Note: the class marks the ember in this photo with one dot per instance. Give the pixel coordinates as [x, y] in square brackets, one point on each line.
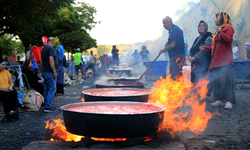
[109, 73]
[178, 94]
[118, 109]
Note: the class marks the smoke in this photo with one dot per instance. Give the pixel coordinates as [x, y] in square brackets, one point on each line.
[137, 68]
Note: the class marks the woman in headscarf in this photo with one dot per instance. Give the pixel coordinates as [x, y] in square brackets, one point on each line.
[60, 69]
[200, 60]
[34, 81]
[222, 64]
[7, 93]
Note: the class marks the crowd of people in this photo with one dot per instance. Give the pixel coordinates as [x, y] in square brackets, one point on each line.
[211, 57]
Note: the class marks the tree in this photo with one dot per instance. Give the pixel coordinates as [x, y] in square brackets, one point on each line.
[71, 26]
[79, 39]
[10, 46]
[30, 20]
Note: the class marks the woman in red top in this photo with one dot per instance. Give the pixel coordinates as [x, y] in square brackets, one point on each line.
[222, 63]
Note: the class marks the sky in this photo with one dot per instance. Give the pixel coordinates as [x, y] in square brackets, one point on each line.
[131, 21]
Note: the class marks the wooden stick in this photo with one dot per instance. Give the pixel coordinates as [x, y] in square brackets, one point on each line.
[147, 68]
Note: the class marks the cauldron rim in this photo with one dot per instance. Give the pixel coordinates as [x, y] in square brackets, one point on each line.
[163, 108]
[139, 83]
[150, 92]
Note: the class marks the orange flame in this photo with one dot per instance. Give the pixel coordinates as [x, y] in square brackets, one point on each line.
[59, 130]
[109, 73]
[83, 100]
[181, 93]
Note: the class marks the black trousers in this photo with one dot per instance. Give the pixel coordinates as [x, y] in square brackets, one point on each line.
[176, 64]
[39, 87]
[59, 88]
[9, 100]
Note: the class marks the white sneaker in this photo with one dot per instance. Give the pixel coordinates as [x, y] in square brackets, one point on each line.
[217, 103]
[228, 105]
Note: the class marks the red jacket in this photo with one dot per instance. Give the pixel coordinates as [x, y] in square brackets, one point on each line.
[223, 54]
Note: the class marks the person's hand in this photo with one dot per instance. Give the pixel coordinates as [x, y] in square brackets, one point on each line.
[10, 89]
[219, 29]
[202, 47]
[191, 59]
[55, 75]
[161, 51]
[40, 81]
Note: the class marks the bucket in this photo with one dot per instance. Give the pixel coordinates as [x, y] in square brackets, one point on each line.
[37, 54]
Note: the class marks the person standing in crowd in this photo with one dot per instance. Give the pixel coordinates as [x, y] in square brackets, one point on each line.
[60, 69]
[18, 60]
[235, 49]
[144, 54]
[92, 62]
[34, 81]
[49, 64]
[29, 54]
[7, 93]
[78, 63]
[174, 47]
[222, 64]
[104, 63]
[115, 56]
[136, 56]
[200, 60]
[247, 47]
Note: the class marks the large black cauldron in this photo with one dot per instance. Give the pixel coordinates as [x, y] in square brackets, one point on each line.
[111, 125]
[141, 95]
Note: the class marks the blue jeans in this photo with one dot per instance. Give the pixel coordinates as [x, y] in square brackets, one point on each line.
[49, 88]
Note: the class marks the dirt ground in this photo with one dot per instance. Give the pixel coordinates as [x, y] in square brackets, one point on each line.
[229, 131]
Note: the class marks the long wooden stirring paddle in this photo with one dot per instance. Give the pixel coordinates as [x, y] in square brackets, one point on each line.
[147, 68]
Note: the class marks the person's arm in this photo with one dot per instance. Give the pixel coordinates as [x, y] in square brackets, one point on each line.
[186, 44]
[52, 65]
[166, 44]
[173, 41]
[169, 47]
[226, 34]
[207, 42]
[10, 83]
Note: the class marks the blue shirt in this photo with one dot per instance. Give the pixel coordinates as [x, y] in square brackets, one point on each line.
[176, 35]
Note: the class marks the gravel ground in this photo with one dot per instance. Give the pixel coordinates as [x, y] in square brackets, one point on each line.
[229, 131]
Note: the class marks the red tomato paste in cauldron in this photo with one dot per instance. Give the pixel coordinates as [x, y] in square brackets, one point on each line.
[118, 109]
[117, 92]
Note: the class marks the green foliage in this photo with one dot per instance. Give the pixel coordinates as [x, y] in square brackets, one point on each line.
[30, 20]
[9, 46]
[79, 39]
[71, 25]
